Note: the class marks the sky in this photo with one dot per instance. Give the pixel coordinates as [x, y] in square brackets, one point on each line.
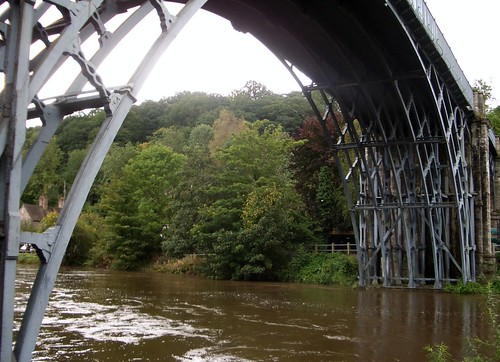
[210, 56]
[472, 29]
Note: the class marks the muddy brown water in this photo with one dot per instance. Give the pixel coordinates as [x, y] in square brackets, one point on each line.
[97, 315]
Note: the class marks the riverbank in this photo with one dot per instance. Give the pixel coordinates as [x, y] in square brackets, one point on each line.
[305, 268]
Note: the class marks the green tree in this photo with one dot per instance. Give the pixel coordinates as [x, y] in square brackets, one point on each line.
[82, 239]
[173, 137]
[77, 132]
[255, 216]
[46, 179]
[494, 117]
[189, 195]
[75, 160]
[192, 108]
[141, 122]
[254, 101]
[483, 87]
[116, 160]
[317, 178]
[137, 206]
[201, 136]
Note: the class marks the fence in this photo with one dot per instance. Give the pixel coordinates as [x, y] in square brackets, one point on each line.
[348, 248]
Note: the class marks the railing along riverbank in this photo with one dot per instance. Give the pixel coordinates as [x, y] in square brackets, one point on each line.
[347, 248]
[350, 248]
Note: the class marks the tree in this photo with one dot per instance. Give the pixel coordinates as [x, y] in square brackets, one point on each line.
[254, 101]
[252, 90]
[494, 117]
[46, 179]
[248, 227]
[224, 128]
[189, 109]
[77, 132]
[82, 239]
[116, 160]
[141, 122]
[189, 195]
[75, 160]
[173, 137]
[137, 206]
[483, 87]
[201, 136]
[317, 180]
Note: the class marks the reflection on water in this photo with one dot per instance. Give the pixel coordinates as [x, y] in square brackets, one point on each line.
[122, 316]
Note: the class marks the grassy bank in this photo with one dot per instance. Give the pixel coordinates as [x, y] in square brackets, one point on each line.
[304, 267]
[28, 258]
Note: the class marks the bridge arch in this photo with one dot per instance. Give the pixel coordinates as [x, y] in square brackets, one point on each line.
[402, 145]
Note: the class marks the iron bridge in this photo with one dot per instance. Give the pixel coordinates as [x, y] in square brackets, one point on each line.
[403, 141]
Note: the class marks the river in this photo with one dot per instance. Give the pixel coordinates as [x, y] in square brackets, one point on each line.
[100, 315]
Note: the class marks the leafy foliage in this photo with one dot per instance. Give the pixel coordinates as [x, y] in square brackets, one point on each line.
[188, 174]
[255, 216]
[189, 109]
[461, 288]
[494, 117]
[189, 195]
[78, 132]
[323, 268]
[45, 180]
[172, 137]
[438, 352]
[137, 205]
[224, 128]
[317, 179]
[83, 238]
[255, 102]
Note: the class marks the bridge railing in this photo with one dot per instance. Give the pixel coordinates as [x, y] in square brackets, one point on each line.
[423, 13]
[347, 248]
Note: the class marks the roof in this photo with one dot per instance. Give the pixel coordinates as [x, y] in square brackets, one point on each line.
[36, 213]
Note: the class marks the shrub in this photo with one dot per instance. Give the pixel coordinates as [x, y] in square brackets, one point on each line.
[190, 264]
[469, 288]
[314, 268]
[438, 353]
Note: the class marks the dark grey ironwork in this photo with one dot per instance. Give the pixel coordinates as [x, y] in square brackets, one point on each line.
[405, 167]
[399, 103]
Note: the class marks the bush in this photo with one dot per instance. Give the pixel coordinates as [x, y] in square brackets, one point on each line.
[438, 353]
[314, 268]
[469, 288]
[190, 264]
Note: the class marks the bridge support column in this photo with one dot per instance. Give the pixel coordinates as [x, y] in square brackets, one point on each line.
[483, 180]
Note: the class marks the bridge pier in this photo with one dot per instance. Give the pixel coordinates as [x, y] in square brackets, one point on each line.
[484, 164]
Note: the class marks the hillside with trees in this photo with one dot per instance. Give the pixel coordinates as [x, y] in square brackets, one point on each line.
[244, 180]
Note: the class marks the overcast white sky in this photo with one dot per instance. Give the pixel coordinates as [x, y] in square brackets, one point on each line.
[472, 29]
[210, 56]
